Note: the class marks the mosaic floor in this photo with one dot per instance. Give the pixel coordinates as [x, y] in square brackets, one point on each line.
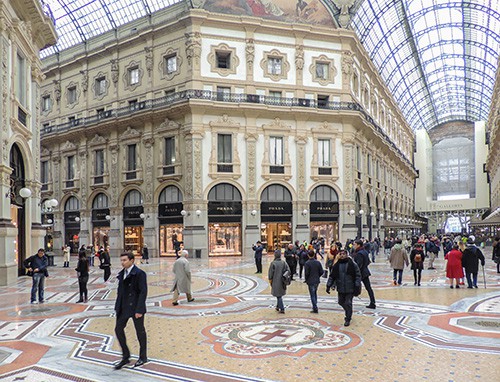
[231, 332]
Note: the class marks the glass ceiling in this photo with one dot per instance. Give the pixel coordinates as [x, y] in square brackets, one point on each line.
[438, 57]
[79, 20]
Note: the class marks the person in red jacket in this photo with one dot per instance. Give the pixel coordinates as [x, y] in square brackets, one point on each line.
[454, 268]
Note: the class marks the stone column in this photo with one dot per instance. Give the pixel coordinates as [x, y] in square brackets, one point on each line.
[116, 232]
[8, 232]
[251, 223]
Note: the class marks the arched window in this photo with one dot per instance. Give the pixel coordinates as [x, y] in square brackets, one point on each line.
[224, 192]
[276, 193]
[133, 198]
[72, 204]
[324, 194]
[100, 201]
[170, 194]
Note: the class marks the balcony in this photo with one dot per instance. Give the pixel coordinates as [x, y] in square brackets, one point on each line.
[213, 96]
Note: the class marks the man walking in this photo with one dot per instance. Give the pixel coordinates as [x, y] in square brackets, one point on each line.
[131, 303]
[362, 259]
[36, 266]
[346, 278]
[258, 248]
[291, 259]
[470, 261]
[182, 281]
[313, 272]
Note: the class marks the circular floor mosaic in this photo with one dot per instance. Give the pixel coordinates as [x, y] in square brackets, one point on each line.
[288, 336]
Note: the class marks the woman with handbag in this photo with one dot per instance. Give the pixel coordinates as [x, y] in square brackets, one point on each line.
[82, 270]
[105, 264]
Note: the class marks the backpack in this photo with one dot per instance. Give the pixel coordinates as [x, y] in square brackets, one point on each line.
[417, 258]
[287, 277]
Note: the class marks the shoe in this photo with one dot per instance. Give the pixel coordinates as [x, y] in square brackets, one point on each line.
[175, 303]
[122, 363]
[394, 282]
[451, 286]
[415, 283]
[469, 287]
[85, 300]
[418, 284]
[191, 300]
[475, 286]
[277, 309]
[282, 311]
[80, 300]
[33, 302]
[347, 322]
[314, 311]
[140, 362]
[43, 301]
[457, 286]
[371, 306]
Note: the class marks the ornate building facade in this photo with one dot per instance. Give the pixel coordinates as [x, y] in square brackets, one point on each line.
[25, 28]
[218, 131]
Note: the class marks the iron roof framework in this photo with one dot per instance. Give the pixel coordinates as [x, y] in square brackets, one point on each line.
[438, 57]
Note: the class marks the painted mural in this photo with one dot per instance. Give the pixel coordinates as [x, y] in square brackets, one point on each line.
[292, 11]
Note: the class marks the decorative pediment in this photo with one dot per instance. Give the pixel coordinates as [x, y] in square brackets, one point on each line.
[130, 133]
[44, 151]
[224, 120]
[97, 140]
[277, 124]
[168, 124]
[68, 146]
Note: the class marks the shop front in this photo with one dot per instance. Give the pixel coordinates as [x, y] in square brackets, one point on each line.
[100, 225]
[133, 224]
[171, 227]
[224, 221]
[324, 214]
[276, 217]
[72, 224]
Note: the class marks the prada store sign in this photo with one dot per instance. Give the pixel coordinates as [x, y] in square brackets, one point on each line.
[224, 208]
[69, 217]
[133, 213]
[170, 209]
[324, 208]
[100, 215]
[276, 208]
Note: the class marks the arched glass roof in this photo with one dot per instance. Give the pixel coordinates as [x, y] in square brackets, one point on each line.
[438, 57]
[79, 20]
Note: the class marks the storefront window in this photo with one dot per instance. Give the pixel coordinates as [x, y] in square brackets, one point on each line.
[275, 234]
[101, 237]
[224, 239]
[327, 231]
[134, 240]
[171, 239]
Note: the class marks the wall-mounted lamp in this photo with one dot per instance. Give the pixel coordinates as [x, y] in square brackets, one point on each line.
[351, 212]
[254, 212]
[143, 216]
[304, 212]
[184, 213]
[25, 192]
[372, 214]
[361, 212]
[49, 221]
[381, 216]
[388, 217]
[198, 213]
[109, 218]
[77, 219]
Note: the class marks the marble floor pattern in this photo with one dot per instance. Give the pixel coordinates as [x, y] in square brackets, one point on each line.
[231, 332]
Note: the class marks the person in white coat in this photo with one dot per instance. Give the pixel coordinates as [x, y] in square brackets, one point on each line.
[182, 281]
[66, 255]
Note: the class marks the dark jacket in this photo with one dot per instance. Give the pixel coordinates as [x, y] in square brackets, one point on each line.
[258, 251]
[145, 253]
[132, 293]
[362, 258]
[470, 259]
[82, 268]
[414, 264]
[303, 257]
[105, 259]
[290, 255]
[35, 262]
[314, 271]
[345, 276]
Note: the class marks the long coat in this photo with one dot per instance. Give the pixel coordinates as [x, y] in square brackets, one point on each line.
[471, 257]
[132, 293]
[454, 268]
[417, 264]
[275, 275]
[345, 276]
[182, 273]
[398, 257]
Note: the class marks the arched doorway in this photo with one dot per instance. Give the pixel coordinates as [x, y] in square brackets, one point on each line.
[324, 214]
[170, 219]
[276, 217]
[224, 220]
[133, 225]
[100, 225]
[17, 205]
[72, 223]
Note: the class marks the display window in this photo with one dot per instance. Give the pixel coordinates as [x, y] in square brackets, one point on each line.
[72, 239]
[326, 230]
[134, 239]
[273, 234]
[224, 239]
[171, 239]
[100, 237]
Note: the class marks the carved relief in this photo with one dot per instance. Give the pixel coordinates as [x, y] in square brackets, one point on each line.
[250, 54]
[348, 169]
[97, 140]
[301, 172]
[344, 17]
[5, 97]
[193, 49]
[114, 149]
[130, 133]
[347, 64]
[299, 58]
[189, 168]
[251, 165]
[114, 71]
[83, 174]
[68, 146]
[149, 59]
[198, 185]
[167, 125]
[148, 144]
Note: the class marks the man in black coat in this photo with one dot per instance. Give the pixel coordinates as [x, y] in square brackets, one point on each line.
[313, 272]
[362, 258]
[470, 261]
[291, 259]
[131, 303]
[258, 248]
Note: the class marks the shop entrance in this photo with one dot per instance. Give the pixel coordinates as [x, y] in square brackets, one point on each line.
[171, 221]
[100, 225]
[72, 224]
[133, 223]
[276, 217]
[275, 234]
[324, 215]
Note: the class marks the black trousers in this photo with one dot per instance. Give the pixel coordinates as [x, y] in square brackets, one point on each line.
[258, 264]
[107, 273]
[368, 287]
[140, 330]
[82, 286]
[417, 275]
[345, 301]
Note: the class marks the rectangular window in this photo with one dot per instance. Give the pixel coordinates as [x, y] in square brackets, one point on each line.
[99, 162]
[169, 151]
[131, 157]
[276, 151]
[224, 148]
[223, 93]
[170, 64]
[377, 170]
[358, 158]
[100, 113]
[323, 101]
[46, 103]
[133, 76]
[72, 95]
[44, 172]
[100, 86]
[223, 60]
[322, 69]
[71, 168]
[275, 94]
[369, 164]
[274, 65]
[21, 80]
[323, 152]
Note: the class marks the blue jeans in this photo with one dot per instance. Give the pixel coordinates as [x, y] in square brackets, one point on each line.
[397, 273]
[313, 292]
[38, 285]
[280, 304]
[471, 282]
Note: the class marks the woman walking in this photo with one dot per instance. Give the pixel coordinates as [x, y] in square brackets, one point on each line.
[105, 264]
[82, 270]
[398, 259]
[276, 272]
[454, 268]
[417, 262]
[145, 254]
[303, 257]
